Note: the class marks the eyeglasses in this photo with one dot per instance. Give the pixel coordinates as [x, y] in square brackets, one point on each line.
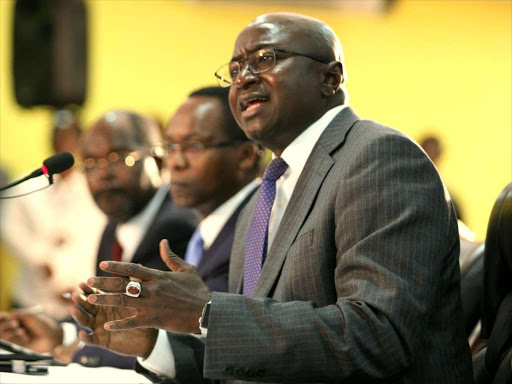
[190, 149]
[113, 160]
[257, 62]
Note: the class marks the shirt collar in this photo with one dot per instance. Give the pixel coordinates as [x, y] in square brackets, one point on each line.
[212, 224]
[297, 152]
[130, 233]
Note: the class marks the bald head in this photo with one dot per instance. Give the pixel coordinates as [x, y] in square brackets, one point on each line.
[314, 35]
[121, 173]
[124, 125]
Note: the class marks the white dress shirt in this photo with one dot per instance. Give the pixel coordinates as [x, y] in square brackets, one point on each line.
[161, 360]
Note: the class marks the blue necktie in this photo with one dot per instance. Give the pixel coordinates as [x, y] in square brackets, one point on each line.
[256, 242]
[194, 249]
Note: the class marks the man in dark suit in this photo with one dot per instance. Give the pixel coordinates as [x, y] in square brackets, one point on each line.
[213, 170]
[345, 263]
[217, 181]
[124, 179]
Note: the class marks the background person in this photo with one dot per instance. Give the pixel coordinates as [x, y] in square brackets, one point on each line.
[124, 179]
[213, 170]
[53, 233]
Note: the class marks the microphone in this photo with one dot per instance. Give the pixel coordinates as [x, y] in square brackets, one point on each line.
[57, 163]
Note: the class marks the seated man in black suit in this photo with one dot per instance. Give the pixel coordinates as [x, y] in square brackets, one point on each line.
[214, 169]
[124, 179]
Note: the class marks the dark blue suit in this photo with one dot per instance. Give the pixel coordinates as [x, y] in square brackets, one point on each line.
[171, 223]
[214, 265]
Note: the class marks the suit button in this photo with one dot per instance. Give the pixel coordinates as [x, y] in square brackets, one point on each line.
[260, 372]
[239, 372]
[90, 361]
[249, 372]
[229, 370]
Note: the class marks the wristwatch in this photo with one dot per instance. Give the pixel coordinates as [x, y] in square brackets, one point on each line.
[204, 319]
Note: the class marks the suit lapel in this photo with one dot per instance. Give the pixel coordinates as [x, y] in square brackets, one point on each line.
[223, 242]
[105, 248]
[313, 175]
[148, 238]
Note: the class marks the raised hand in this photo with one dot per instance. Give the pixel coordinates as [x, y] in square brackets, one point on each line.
[135, 342]
[31, 329]
[168, 300]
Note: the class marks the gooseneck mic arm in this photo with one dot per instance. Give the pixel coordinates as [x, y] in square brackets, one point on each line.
[54, 164]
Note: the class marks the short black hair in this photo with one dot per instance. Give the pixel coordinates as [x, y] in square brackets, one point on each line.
[222, 94]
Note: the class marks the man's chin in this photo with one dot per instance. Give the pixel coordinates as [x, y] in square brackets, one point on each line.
[183, 201]
[116, 213]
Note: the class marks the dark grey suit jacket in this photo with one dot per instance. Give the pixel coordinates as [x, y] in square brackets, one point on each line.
[361, 283]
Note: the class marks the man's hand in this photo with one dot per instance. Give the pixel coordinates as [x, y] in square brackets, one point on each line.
[169, 300]
[34, 330]
[135, 342]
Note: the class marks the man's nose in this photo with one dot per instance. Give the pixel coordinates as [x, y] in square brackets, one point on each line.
[177, 159]
[246, 78]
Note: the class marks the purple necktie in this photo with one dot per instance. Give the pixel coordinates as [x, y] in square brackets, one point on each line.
[256, 242]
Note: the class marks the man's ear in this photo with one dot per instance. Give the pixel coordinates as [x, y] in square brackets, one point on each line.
[333, 78]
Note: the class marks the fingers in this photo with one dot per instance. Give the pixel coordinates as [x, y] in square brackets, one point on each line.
[87, 338]
[86, 289]
[12, 331]
[82, 318]
[128, 323]
[129, 269]
[173, 262]
[109, 284]
[116, 300]
[82, 305]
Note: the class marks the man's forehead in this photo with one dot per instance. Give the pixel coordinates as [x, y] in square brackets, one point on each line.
[259, 35]
[111, 136]
[198, 116]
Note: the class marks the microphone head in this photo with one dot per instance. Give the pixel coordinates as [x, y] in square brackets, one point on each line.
[59, 162]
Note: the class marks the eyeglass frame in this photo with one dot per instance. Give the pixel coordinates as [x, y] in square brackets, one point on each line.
[108, 162]
[223, 83]
[161, 151]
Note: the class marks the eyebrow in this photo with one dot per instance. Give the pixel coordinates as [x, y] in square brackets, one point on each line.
[188, 137]
[252, 50]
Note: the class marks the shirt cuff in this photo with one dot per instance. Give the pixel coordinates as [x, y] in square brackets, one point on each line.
[161, 359]
[70, 334]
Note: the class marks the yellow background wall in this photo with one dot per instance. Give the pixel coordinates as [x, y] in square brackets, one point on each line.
[428, 66]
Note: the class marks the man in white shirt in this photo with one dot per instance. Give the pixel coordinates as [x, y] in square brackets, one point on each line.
[53, 233]
[345, 263]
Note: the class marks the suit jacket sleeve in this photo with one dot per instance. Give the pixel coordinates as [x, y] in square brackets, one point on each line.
[383, 237]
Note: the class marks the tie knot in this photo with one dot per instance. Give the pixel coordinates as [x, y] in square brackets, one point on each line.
[275, 169]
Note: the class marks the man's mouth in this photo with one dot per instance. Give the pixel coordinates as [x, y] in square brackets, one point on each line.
[252, 104]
